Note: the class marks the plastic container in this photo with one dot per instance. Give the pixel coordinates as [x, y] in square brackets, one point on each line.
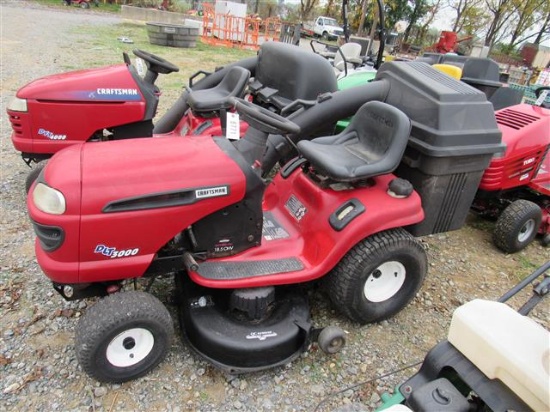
[453, 139]
[507, 346]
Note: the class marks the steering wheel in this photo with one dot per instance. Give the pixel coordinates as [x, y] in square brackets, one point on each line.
[539, 91]
[156, 64]
[262, 119]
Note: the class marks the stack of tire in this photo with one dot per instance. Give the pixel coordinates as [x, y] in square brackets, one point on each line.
[173, 35]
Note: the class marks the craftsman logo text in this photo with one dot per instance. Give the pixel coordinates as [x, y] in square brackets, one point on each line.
[211, 192]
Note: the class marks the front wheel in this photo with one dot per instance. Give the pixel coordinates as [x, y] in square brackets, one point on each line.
[517, 226]
[123, 336]
[85, 5]
[325, 36]
[378, 277]
[331, 339]
[33, 175]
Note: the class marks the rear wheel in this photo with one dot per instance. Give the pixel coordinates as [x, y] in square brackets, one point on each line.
[123, 336]
[33, 174]
[517, 226]
[85, 5]
[378, 277]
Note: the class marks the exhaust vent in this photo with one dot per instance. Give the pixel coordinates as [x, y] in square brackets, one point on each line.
[514, 119]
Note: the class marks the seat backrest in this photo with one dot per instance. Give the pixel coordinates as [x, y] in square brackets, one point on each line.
[216, 98]
[506, 97]
[372, 145]
[382, 129]
[234, 82]
[293, 72]
[349, 51]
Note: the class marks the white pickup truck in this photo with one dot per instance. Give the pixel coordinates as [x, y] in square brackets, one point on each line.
[325, 27]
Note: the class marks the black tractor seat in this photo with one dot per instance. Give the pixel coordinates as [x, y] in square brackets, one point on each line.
[217, 98]
[371, 145]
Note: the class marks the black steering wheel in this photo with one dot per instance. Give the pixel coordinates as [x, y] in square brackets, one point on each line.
[262, 119]
[156, 64]
[538, 93]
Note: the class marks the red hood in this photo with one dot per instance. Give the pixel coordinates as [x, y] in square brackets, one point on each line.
[119, 170]
[112, 83]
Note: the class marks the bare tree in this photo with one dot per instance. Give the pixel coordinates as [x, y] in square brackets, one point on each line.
[306, 7]
[527, 15]
[463, 9]
[329, 8]
[420, 8]
[364, 8]
[544, 31]
[501, 12]
[429, 18]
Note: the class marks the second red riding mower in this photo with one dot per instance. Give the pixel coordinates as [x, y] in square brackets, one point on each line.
[240, 244]
[115, 102]
[515, 188]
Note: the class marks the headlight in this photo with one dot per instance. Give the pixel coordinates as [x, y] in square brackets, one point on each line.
[18, 105]
[48, 200]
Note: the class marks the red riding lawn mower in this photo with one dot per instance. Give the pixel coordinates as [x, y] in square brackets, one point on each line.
[515, 188]
[85, 4]
[242, 239]
[115, 102]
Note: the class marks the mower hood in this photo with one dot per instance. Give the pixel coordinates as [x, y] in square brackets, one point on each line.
[128, 172]
[112, 83]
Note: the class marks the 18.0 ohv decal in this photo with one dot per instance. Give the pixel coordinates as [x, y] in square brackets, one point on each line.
[212, 192]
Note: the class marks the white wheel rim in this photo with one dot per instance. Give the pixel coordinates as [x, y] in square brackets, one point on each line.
[130, 347]
[384, 281]
[526, 230]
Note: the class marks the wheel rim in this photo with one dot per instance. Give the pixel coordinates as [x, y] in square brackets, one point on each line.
[526, 230]
[130, 347]
[335, 345]
[384, 281]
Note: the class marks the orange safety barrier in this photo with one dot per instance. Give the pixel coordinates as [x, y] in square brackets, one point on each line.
[238, 32]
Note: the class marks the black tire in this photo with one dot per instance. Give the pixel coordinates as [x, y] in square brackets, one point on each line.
[324, 36]
[517, 226]
[545, 241]
[331, 339]
[33, 174]
[85, 5]
[132, 329]
[359, 285]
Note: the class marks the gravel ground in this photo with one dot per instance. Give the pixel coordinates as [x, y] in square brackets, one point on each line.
[38, 367]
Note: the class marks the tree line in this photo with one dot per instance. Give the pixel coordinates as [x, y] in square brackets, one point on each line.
[500, 24]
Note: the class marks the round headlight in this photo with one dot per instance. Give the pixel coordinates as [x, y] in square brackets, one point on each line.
[48, 200]
[18, 105]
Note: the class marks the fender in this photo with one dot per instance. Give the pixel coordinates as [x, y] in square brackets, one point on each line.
[301, 211]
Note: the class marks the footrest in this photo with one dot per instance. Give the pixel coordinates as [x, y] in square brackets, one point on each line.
[242, 270]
